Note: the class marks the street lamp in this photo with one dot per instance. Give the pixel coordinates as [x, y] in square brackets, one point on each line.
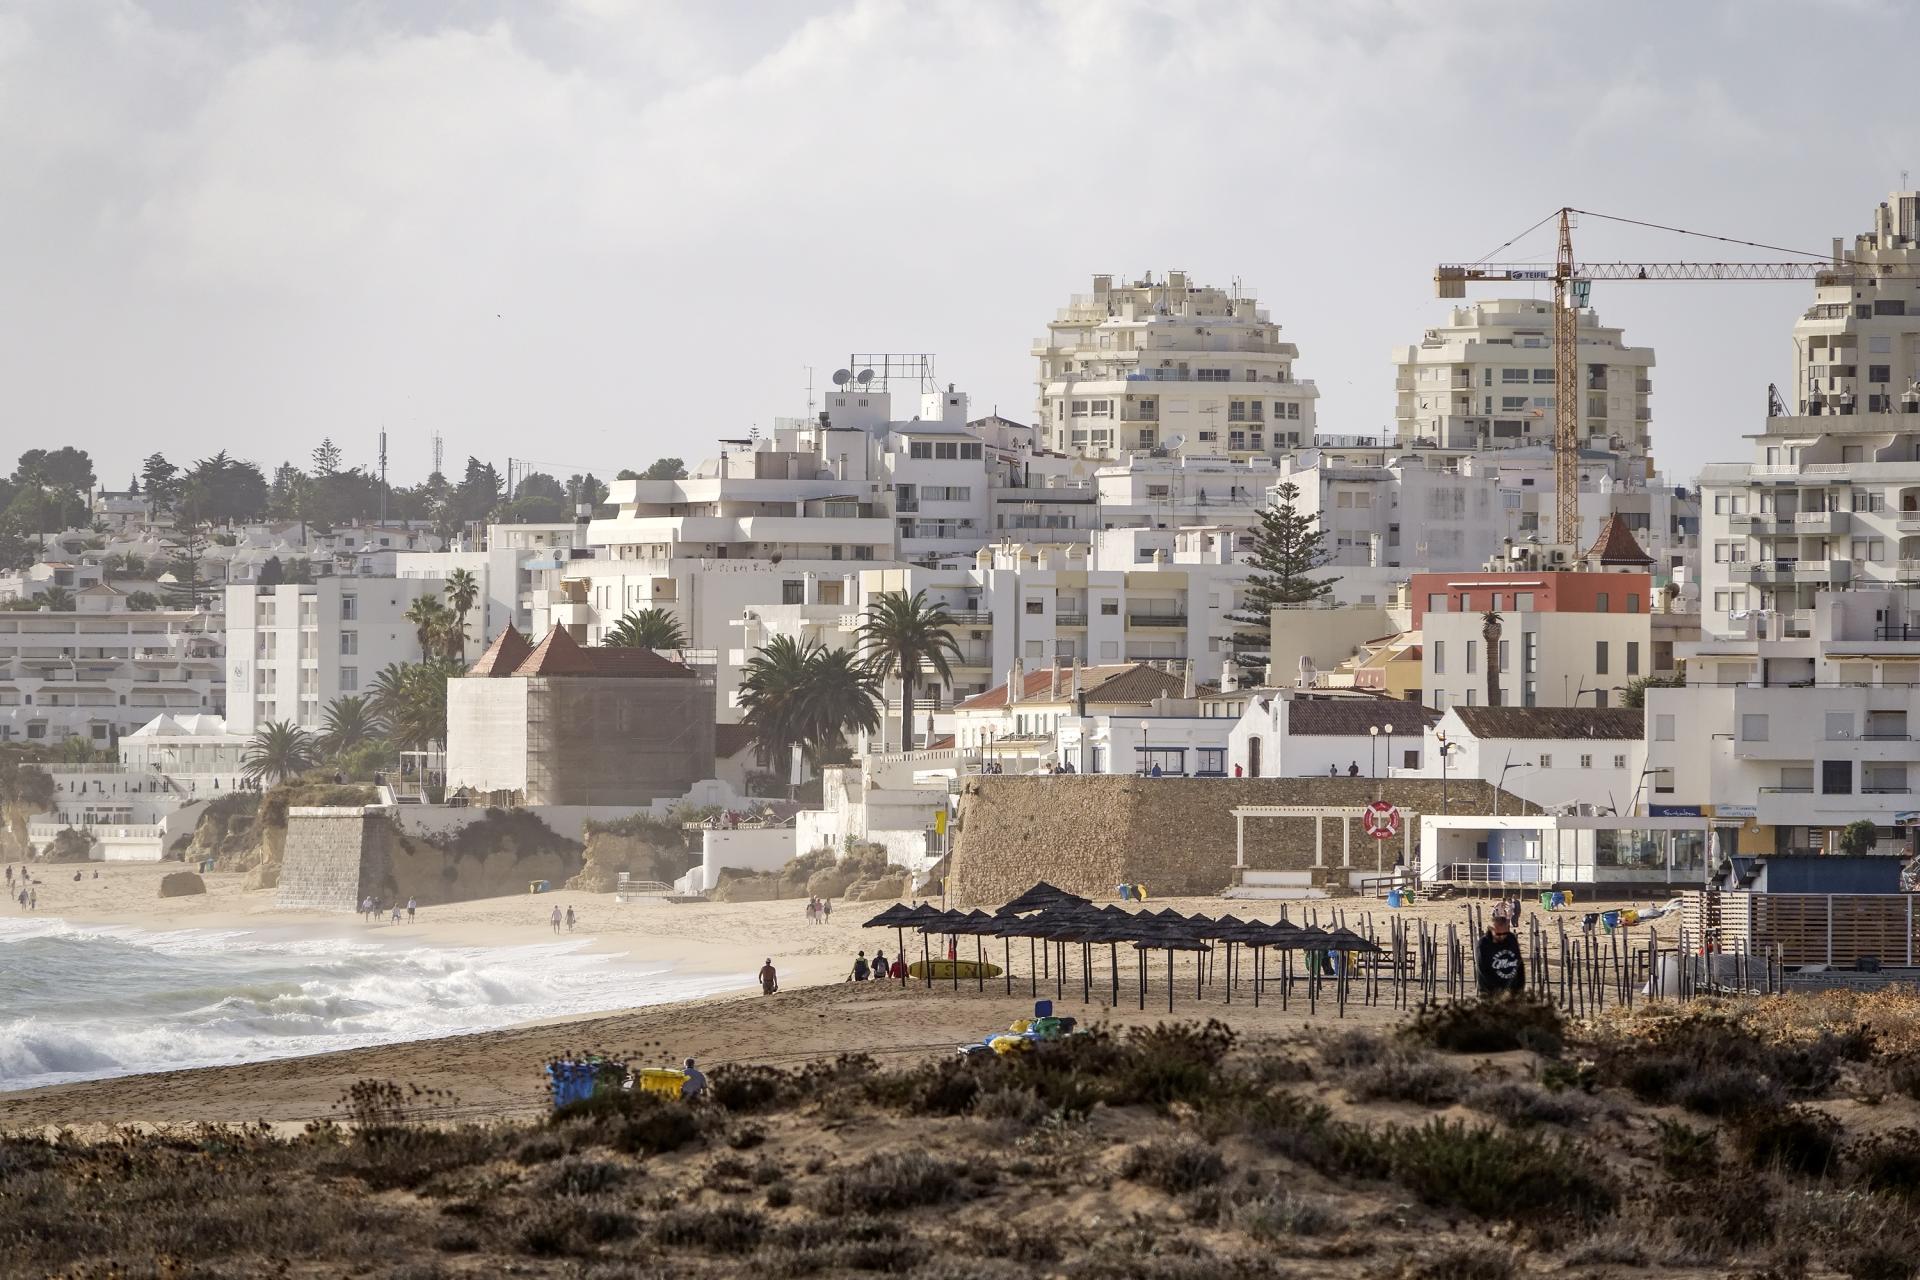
[1388, 730]
[1146, 757]
[1373, 751]
[1446, 750]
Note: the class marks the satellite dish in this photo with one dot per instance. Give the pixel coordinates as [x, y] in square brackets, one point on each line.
[866, 376]
[841, 377]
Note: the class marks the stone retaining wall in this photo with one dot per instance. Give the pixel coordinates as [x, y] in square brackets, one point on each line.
[1087, 833]
[333, 859]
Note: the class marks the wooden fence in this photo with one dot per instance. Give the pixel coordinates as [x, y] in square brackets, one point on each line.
[1808, 928]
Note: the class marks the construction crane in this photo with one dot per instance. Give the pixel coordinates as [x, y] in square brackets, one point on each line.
[1572, 287]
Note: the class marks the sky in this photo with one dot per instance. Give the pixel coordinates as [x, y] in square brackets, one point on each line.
[588, 233]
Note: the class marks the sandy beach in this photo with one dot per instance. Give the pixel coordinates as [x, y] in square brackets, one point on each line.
[815, 1015]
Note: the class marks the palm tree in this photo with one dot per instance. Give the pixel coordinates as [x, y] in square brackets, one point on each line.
[278, 750]
[647, 629]
[907, 635]
[429, 618]
[1490, 628]
[770, 691]
[839, 695]
[462, 590]
[411, 698]
[350, 721]
[57, 599]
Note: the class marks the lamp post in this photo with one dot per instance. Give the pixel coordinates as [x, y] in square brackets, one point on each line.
[1440, 736]
[1388, 730]
[1373, 750]
[1146, 757]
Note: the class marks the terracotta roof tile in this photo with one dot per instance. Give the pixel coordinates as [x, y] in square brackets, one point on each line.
[730, 740]
[561, 655]
[1617, 545]
[1140, 683]
[1352, 717]
[1553, 722]
[508, 650]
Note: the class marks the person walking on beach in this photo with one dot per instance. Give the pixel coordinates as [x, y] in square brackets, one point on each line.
[396, 911]
[569, 919]
[826, 911]
[859, 968]
[1496, 960]
[695, 1084]
[878, 969]
[33, 899]
[900, 968]
[813, 911]
[412, 906]
[554, 920]
[769, 980]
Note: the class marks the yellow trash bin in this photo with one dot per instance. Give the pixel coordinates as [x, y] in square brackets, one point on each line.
[664, 1081]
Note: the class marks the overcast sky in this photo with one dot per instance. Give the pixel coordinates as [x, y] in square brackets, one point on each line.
[588, 233]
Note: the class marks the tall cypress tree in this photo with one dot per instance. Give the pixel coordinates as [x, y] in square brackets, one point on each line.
[1287, 546]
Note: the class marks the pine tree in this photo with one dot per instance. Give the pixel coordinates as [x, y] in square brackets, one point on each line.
[1287, 547]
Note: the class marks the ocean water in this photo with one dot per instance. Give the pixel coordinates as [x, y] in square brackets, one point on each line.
[81, 1002]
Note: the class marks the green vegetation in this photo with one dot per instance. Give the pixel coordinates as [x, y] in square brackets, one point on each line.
[909, 637]
[278, 752]
[647, 629]
[1287, 548]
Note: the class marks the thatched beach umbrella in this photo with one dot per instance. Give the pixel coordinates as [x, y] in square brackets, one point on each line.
[1040, 898]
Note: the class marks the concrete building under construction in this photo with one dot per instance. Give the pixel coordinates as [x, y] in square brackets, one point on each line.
[563, 724]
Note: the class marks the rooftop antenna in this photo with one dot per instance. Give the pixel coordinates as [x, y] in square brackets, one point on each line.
[439, 454]
[383, 477]
[809, 390]
[841, 377]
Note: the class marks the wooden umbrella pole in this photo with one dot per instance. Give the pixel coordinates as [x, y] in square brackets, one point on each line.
[1169, 979]
[1033, 970]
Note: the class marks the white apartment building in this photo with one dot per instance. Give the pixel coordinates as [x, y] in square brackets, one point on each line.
[503, 568]
[292, 649]
[1142, 491]
[1831, 496]
[98, 675]
[1484, 380]
[1565, 759]
[1169, 364]
[1792, 725]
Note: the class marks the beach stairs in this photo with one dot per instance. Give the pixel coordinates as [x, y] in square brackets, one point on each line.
[1284, 886]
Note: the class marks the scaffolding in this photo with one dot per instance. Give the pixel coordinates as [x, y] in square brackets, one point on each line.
[617, 740]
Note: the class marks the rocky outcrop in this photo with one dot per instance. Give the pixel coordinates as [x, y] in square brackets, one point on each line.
[70, 845]
[889, 888]
[245, 830]
[181, 884]
[652, 856]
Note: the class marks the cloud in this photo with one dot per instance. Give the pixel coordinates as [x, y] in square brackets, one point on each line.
[630, 226]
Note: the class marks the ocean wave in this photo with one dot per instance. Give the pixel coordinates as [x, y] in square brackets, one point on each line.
[91, 1001]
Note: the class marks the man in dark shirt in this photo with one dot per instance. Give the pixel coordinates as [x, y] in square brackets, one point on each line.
[1497, 960]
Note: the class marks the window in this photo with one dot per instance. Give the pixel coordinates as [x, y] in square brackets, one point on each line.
[1600, 605]
[1213, 760]
[349, 679]
[1109, 608]
[1546, 761]
[1586, 762]
[1836, 777]
[1439, 659]
[793, 592]
[1109, 650]
[1036, 606]
[1619, 762]
[1035, 649]
[1523, 602]
[1753, 728]
[1663, 728]
[1879, 373]
[1439, 699]
[1600, 657]
[1599, 698]
[1881, 346]
[1633, 657]
[349, 643]
[1633, 602]
[349, 608]
[1437, 602]
[1505, 665]
[1473, 647]
[1530, 654]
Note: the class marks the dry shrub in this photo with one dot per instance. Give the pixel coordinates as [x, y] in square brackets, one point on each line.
[1794, 1140]
[1687, 1153]
[889, 1182]
[1461, 1262]
[1400, 1075]
[1888, 1163]
[1174, 1165]
[1499, 1173]
[1277, 1217]
[1520, 1104]
[580, 1176]
[1491, 1026]
[725, 1229]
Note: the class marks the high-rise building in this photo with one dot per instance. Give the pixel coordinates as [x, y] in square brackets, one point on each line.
[1484, 380]
[1830, 498]
[1168, 364]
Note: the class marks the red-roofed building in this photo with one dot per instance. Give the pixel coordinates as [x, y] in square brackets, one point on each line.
[562, 723]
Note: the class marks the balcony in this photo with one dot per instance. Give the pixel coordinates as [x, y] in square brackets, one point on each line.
[1169, 620]
[1834, 573]
[1069, 619]
[970, 617]
[1822, 522]
[1765, 573]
